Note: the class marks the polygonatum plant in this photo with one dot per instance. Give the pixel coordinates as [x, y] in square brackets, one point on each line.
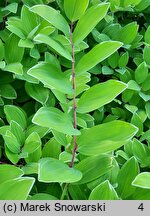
[70, 125]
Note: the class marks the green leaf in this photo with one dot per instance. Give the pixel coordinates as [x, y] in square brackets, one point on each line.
[133, 85]
[2, 50]
[30, 168]
[16, 68]
[42, 196]
[32, 143]
[66, 157]
[11, 7]
[147, 108]
[94, 167]
[13, 53]
[97, 140]
[146, 54]
[27, 43]
[136, 120]
[7, 91]
[53, 170]
[8, 172]
[139, 151]
[89, 20]
[17, 130]
[125, 177]
[28, 20]
[145, 84]
[55, 119]
[14, 158]
[97, 54]
[141, 73]
[16, 189]
[142, 180]
[15, 26]
[16, 114]
[52, 16]
[99, 95]
[128, 33]
[34, 156]
[141, 194]
[42, 131]
[60, 138]
[76, 192]
[41, 38]
[123, 61]
[37, 91]
[75, 9]
[51, 149]
[104, 191]
[51, 76]
[11, 142]
[147, 35]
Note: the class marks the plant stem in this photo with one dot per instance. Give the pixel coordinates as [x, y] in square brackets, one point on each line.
[64, 191]
[74, 97]
[74, 110]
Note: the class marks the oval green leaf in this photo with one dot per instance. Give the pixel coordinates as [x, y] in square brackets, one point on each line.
[16, 114]
[104, 191]
[52, 16]
[105, 138]
[55, 119]
[94, 167]
[99, 95]
[97, 54]
[74, 9]
[13, 53]
[37, 91]
[16, 189]
[125, 177]
[32, 143]
[128, 33]
[142, 180]
[53, 170]
[8, 172]
[89, 20]
[41, 38]
[11, 142]
[51, 76]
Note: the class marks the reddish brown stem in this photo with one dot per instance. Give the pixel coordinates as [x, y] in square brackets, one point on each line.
[74, 97]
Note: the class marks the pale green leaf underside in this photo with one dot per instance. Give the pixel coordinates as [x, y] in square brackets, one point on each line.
[142, 180]
[53, 170]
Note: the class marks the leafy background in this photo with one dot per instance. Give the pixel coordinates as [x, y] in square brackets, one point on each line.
[112, 160]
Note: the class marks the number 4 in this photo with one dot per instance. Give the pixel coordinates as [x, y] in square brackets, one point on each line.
[141, 207]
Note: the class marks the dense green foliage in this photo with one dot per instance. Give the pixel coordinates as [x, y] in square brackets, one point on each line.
[75, 99]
